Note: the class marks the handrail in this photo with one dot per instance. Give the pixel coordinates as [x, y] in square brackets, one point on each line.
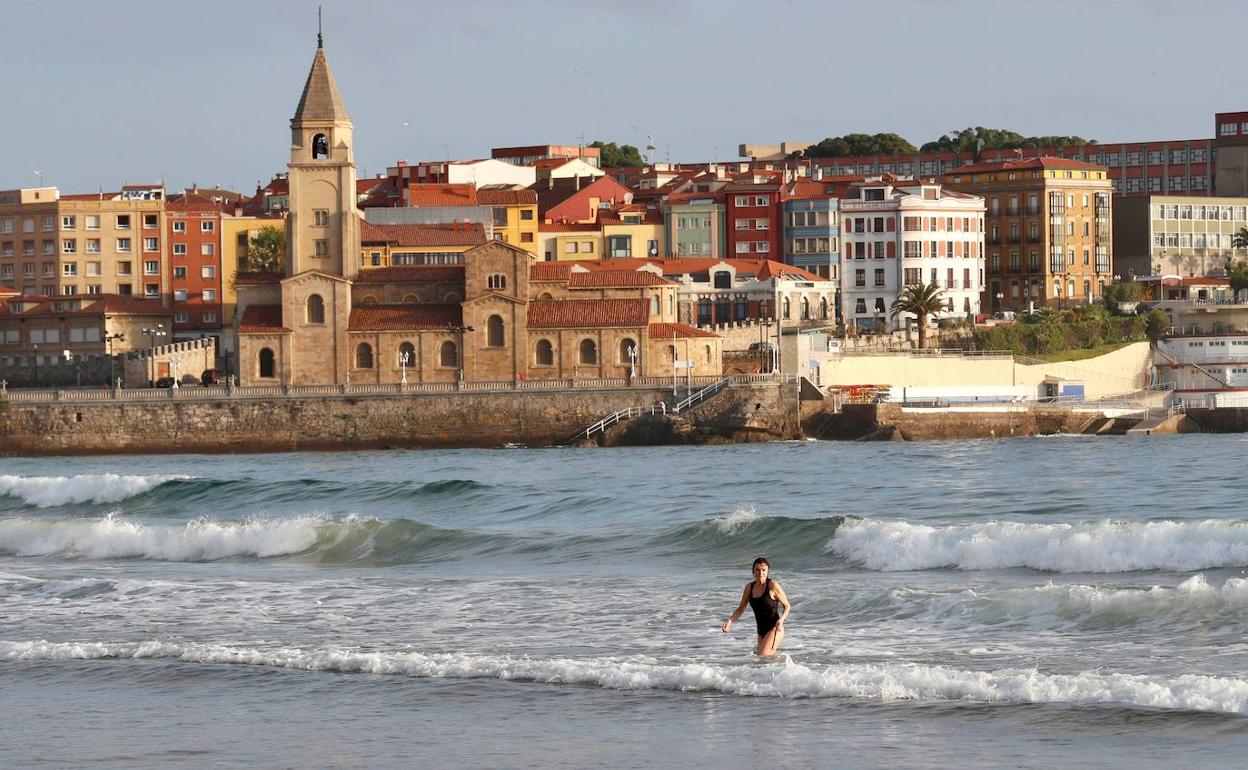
[709, 390]
[611, 419]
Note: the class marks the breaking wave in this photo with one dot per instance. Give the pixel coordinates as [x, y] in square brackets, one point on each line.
[1099, 547]
[881, 682]
[49, 491]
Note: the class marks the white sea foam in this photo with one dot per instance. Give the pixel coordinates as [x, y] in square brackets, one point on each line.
[115, 538]
[735, 518]
[881, 681]
[1101, 546]
[47, 491]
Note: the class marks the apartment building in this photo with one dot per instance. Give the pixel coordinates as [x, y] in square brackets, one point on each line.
[1048, 237]
[693, 224]
[194, 272]
[752, 217]
[1159, 234]
[900, 232]
[811, 220]
[112, 243]
[530, 155]
[29, 240]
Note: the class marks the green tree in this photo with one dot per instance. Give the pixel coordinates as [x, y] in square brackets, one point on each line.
[1128, 291]
[1237, 269]
[1156, 323]
[922, 300]
[1240, 239]
[619, 155]
[266, 251]
[969, 140]
[850, 145]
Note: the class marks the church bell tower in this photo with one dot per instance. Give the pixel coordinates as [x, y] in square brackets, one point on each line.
[322, 229]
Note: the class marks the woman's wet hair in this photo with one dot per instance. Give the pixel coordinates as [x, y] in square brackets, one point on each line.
[761, 560]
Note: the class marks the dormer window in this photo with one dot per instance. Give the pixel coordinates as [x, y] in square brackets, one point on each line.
[320, 147]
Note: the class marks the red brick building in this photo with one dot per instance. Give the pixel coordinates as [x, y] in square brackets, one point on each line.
[752, 215]
[194, 265]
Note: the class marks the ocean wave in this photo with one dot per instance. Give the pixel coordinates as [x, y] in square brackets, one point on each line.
[743, 528]
[876, 681]
[49, 491]
[323, 539]
[1097, 547]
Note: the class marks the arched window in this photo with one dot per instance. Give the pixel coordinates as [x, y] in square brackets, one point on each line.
[452, 297]
[496, 282]
[316, 309]
[589, 352]
[788, 311]
[408, 350]
[369, 301]
[448, 355]
[411, 299]
[545, 353]
[654, 305]
[742, 307]
[708, 354]
[494, 332]
[364, 356]
[626, 344]
[723, 279]
[823, 308]
[320, 147]
[704, 312]
[268, 366]
[545, 296]
[805, 309]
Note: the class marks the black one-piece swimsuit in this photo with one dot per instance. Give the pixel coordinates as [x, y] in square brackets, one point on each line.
[766, 609]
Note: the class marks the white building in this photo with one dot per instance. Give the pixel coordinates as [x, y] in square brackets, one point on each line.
[899, 232]
[1204, 357]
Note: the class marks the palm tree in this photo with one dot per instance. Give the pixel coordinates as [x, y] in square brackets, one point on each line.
[1240, 239]
[922, 300]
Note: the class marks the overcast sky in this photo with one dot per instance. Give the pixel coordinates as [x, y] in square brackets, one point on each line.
[98, 93]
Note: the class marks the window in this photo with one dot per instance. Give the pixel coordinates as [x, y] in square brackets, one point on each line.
[151, 244]
[179, 295]
[544, 354]
[448, 354]
[321, 217]
[526, 214]
[806, 305]
[69, 246]
[742, 200]
[123, 221]
[860, 278]
[494, 332]
[123, 244]
[207, 226]
[93, 245]
[68, 222]
[69, 268]
[406, 355]
[321, 248]
[151, 268]
[208, 271]
[587, 247]
[619, 246]
[179, 249]
[178, 272]
[316, 309]
[364, 356]
[49, 224]
[588, 352]
[210, 295]
[179, 225]
[151, 290]
[879, 277]
[266, 363]
[760, 200]
[496, 282]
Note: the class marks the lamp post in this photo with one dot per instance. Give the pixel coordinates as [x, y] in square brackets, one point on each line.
[764, 338]
[632, 362]
[175, 363]
[403, 366]
[110, 339]
[152, 333]
[36, 347]
[460, 350]
[999, 297]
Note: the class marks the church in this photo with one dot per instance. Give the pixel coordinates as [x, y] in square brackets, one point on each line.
[496, 316]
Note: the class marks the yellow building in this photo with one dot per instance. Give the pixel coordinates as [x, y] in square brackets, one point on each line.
[112, 243]
[236, 234]
[559, 241]
[632, 232]
[515, 214]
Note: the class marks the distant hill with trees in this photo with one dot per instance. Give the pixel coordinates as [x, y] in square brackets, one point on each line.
[971, 140]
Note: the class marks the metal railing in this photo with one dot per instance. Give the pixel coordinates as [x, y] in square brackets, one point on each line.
[702, 394]
[226, 393]
[615, 417]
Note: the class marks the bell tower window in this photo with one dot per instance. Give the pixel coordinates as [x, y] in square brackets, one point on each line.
[320, 147]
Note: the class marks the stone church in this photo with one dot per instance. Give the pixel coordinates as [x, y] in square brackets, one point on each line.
[496, 316]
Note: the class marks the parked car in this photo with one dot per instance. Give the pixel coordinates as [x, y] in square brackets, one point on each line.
[764, 346]
[165, 382]
[210, 377]
[1004, 315]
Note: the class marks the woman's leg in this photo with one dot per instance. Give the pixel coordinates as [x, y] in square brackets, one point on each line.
[769, 642]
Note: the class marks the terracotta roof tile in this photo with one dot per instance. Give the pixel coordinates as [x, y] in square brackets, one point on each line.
[568, 227]
[658, 331]
[549, 271]
[490, 196]
[411, 274]
[588, 313]
[258, 279]
[610, 279]
[441, 195]
[262, 319]
[375, 318]
[452, 234]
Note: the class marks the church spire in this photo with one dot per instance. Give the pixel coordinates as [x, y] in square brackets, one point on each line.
[320, 42]
[320, 100]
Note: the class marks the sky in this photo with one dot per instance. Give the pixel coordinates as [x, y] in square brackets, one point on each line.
[97, 94]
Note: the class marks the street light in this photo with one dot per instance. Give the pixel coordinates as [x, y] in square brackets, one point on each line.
[36, 347]
[1000, 296]
[152, 333]
[175, 364]
[762, 354]
[110, 339]
[460, 351]
[403, 356]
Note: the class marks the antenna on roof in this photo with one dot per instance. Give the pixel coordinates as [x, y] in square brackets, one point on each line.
[320, 42]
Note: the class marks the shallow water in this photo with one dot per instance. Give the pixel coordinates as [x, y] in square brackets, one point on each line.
[1050, 602]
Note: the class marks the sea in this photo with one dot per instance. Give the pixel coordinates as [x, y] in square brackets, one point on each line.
[1050, 602]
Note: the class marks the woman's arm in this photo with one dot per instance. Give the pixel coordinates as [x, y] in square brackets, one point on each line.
[745, 600]
[784, 601]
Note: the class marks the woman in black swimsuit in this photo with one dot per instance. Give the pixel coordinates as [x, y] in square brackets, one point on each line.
[765, 597]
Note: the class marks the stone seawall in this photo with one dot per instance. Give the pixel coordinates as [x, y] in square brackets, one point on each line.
[892, 422]
[452, 419]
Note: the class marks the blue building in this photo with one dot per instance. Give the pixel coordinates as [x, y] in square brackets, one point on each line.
[812, 230]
